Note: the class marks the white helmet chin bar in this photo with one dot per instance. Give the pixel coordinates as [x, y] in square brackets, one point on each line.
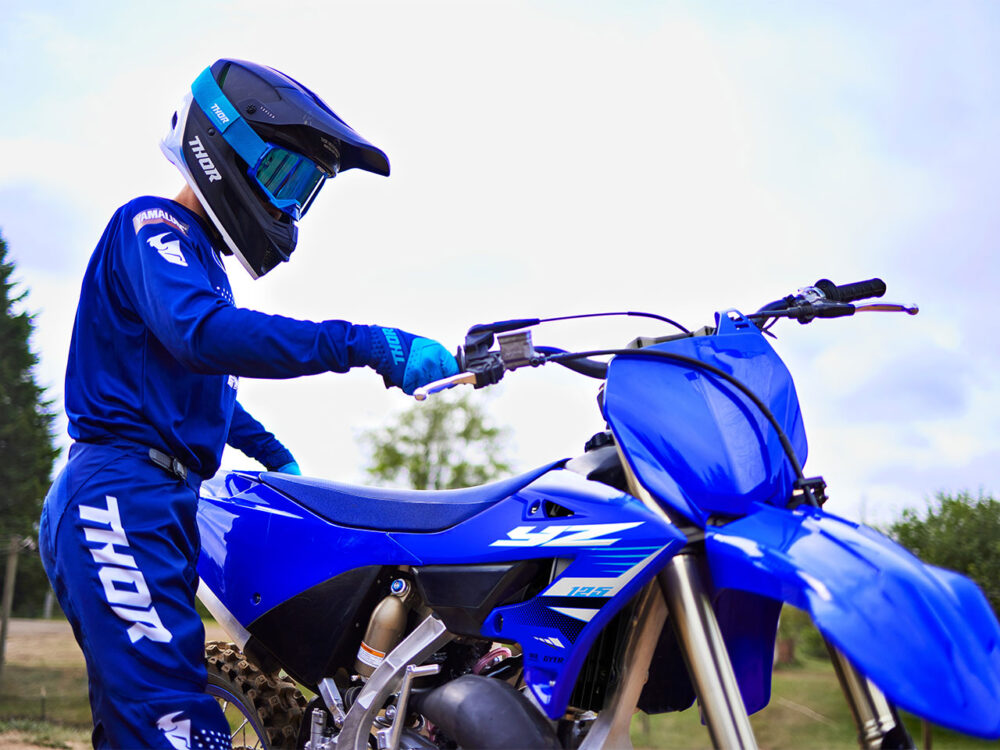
[172, 145]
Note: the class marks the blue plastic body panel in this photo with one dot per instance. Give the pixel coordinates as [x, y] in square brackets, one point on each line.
[925, 636]
[613, 546]
[696, 442]
[749, 625]
[239, 517]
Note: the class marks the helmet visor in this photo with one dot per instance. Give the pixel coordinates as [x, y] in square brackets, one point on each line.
[290, 181]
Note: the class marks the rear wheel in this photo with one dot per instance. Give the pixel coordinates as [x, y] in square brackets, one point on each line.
[264, 711]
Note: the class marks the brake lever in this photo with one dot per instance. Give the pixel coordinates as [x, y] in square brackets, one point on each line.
[888, 307]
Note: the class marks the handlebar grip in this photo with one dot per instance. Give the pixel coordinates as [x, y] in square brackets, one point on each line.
[851, 292]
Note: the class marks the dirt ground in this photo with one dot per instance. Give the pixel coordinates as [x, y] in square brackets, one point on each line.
[18, 741]
[50, 643]
[44, 643]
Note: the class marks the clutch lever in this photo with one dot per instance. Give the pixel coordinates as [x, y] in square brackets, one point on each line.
[462, 378]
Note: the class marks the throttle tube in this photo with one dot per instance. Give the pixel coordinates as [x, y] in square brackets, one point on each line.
[851, 292]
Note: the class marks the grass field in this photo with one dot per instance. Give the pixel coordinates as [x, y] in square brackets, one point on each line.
[807, 710]
[43, 703]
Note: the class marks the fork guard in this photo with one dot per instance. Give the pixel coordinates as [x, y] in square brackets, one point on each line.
[924, 635]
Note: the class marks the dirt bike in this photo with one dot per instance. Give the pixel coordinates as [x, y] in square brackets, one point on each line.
[542, 610]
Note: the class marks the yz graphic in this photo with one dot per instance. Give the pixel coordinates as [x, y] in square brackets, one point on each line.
[579, 535]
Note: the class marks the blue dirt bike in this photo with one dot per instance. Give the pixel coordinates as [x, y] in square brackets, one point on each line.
[540, 611]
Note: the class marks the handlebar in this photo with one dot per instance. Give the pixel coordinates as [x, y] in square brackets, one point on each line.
[824, 299]
[480, 365]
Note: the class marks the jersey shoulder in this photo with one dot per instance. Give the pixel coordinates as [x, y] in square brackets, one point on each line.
[160, 214]
[164, 225]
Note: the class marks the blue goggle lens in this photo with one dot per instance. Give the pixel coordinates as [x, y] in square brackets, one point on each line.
[289, 180]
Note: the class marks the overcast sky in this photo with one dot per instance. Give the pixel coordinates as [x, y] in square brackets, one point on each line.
[552, 158]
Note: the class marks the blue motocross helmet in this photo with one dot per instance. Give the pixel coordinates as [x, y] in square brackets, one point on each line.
[256, 147]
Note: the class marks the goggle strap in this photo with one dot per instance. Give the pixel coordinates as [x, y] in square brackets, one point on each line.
[237, 132]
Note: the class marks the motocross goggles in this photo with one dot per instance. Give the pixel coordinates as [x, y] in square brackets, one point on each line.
[289, 181]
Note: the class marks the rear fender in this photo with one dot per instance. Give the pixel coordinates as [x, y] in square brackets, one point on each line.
[925, 636]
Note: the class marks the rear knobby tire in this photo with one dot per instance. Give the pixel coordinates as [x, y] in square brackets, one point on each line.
[271, 706]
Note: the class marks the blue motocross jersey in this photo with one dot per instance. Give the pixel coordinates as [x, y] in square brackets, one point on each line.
[158, 344]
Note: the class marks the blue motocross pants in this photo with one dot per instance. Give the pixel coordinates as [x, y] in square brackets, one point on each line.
[119, 542]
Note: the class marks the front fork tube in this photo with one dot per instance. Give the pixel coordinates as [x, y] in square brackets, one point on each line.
[690, 610]
[705, 652]
[879, 727]
[611, 729]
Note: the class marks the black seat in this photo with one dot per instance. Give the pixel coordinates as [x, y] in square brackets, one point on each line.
[392, 509]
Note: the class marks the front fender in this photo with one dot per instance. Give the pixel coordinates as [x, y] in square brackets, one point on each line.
[925, 636]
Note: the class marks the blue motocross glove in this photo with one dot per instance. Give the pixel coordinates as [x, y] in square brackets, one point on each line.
[291, 467]
[409, 361]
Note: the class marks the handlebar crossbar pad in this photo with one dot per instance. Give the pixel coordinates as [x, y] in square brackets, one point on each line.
[851, 292]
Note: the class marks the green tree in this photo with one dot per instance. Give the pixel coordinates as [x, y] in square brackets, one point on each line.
[958, 532]
[27, 451]
[445, 442]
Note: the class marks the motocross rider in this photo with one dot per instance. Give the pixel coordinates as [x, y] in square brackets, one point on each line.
[157, 350]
